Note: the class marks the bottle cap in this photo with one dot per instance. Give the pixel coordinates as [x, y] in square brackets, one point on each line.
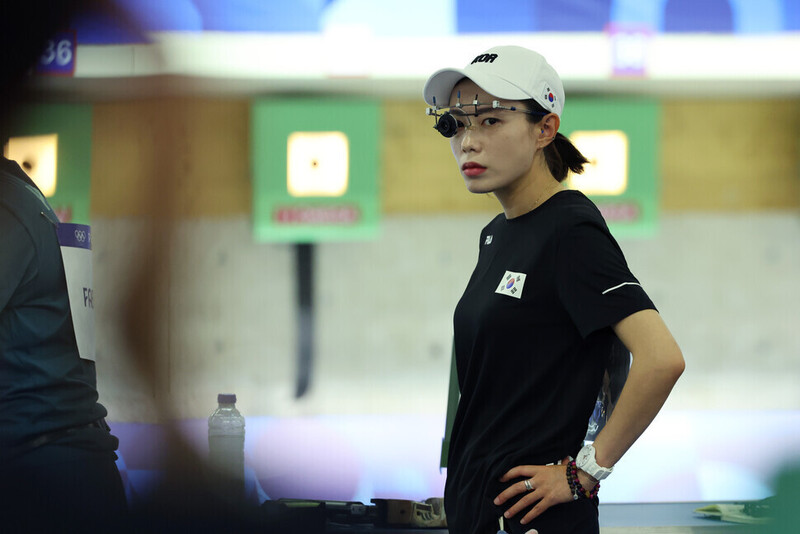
[226, 398]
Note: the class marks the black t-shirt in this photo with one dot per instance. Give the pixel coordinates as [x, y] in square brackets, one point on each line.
[45, 386]
[532, 337]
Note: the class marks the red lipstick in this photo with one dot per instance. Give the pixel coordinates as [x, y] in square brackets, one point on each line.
[471, 168]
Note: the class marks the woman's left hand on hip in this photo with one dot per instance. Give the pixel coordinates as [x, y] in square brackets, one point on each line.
[542, 486]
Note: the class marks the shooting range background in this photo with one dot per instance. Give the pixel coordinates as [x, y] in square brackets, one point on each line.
[721, 264]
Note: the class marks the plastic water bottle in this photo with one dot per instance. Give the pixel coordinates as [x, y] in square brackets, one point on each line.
[226, 446]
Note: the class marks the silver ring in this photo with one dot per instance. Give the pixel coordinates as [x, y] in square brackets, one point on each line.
[528, 485]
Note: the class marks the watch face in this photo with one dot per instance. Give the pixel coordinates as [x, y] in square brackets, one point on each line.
[583, 456]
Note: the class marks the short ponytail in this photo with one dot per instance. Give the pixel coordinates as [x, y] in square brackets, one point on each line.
[561, 155]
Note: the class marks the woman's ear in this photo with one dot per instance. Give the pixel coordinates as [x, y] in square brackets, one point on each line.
[548, 128]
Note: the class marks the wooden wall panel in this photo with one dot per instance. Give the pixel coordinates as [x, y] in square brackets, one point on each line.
[203, 145]
[715, 156]
[730, 155]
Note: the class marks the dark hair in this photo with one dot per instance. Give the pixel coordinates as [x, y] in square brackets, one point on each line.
[561, 155]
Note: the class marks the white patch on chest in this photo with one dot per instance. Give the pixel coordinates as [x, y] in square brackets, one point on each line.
[512, 284]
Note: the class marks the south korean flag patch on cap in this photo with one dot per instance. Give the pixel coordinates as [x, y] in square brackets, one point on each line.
[548, 96]
[512, 284]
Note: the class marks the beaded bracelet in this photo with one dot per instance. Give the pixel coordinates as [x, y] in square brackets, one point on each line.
[575, 483]
[572, 487]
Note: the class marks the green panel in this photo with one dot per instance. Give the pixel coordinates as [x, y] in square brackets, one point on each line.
[73, 124]
[272, 121]
[639, 119]
[453, 396]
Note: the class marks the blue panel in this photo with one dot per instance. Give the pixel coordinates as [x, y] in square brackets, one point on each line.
[474, 16]
[479, 16]
[763, 16]
[133, 17]
[261, 15]
[709, 16]
[791, 15]
[163, 15]
[102, 28]
[638, 12]
[572, 15]
[418, 18]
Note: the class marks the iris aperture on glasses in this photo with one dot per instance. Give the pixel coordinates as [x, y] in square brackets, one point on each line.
[448, 119]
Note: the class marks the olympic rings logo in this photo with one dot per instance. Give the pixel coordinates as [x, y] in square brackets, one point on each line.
[80, 235]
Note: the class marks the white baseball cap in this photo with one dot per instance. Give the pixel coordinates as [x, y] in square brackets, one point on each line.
[506, 72]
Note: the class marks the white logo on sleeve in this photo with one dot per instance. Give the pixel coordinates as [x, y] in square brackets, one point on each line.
[610, 289]
[488, 240]
[512, 284]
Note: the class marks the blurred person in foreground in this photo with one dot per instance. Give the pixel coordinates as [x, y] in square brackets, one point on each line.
[550, 300]
[57, 459]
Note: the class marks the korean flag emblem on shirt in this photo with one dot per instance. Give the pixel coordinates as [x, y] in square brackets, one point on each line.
[512, 284]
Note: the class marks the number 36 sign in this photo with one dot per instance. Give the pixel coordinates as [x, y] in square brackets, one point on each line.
[58, 57]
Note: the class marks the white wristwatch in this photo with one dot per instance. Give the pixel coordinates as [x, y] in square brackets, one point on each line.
[586, 463]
